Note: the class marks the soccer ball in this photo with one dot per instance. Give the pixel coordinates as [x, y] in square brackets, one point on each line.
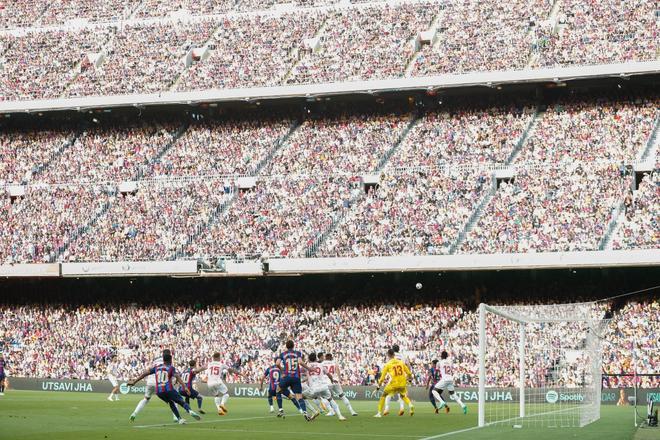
[418, 286]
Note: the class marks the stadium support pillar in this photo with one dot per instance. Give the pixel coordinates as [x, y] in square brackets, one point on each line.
[482, 364]
[521, 354]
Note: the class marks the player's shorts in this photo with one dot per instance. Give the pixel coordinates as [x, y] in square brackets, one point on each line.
[395, 389]
[149, 390]
[191, 394]
[113, 380]
[320, 391]
[291, 382]
[171, 396]
[336, 389]
[445, 384]
[216, 389]
[2, 377]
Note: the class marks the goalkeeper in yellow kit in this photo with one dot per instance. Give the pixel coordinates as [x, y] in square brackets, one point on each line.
[399, 373]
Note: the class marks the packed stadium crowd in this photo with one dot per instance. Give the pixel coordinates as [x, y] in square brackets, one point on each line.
[299, 46]
[565, 209]
[409, 214]
[66, 341]
[641, 210]
[345, 183]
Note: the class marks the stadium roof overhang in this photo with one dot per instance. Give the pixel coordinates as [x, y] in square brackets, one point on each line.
[431, 84]
[304, 266]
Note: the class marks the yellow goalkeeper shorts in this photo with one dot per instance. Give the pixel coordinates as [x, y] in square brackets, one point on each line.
[394, 389]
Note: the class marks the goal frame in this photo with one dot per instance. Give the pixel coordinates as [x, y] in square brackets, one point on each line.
[483, 310]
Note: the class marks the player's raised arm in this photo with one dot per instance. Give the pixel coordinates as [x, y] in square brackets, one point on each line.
[144, 374]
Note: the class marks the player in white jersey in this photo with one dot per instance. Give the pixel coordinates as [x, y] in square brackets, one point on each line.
[150, 388]
[331, 369]
[402, 358]
[319, 382]
[215, 371]
[446, 382]
[112, 372]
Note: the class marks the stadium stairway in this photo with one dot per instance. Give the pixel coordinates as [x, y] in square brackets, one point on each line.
[355, 200]
[83, 230]
[185, 70]
[478, 212]
[284, 80]
[474, 218]
[410, 66]
[612, 227]
[218, 212]
[175, 138]
[619, 211]
[53, 157]
[652, 143]
[529, 130]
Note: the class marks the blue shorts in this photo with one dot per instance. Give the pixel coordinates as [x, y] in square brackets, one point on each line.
[2, 377]
[171, 396]
[291, 382]
[191, 394]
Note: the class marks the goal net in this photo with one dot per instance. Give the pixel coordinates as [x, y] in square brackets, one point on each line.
[540, 365]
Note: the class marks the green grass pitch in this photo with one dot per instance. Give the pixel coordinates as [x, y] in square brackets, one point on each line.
[47, 415]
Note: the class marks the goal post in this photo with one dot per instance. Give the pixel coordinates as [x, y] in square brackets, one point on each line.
[540, 365]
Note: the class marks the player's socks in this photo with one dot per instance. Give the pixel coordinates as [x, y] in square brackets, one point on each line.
[270, 402]
[279, 402]
[295, 402]
[405, 399]
[336, 410]
[387, 403]
[458, 400]
[223, 402]
[348, 405]
[439, 399]
[110, 397]
[140, 406]
[218, 401]
[401, 407]
[199, 403]
[175, 410]
[381, 404]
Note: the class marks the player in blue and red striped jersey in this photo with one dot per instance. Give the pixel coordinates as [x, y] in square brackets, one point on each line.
[290, 362]
[165, 388]
[3, 374]
[188, 377]
[273, 374]
[434, 376]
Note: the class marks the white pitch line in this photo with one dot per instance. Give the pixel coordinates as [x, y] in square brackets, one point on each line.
[208, 421]
[333, 434]
[460, 431]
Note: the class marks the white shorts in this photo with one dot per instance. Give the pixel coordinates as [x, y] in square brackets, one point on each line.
[320, 392]
[445, 384]
[336, 389]
[113, 380]
[149, 390]
[306, 391]
[217, 389]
